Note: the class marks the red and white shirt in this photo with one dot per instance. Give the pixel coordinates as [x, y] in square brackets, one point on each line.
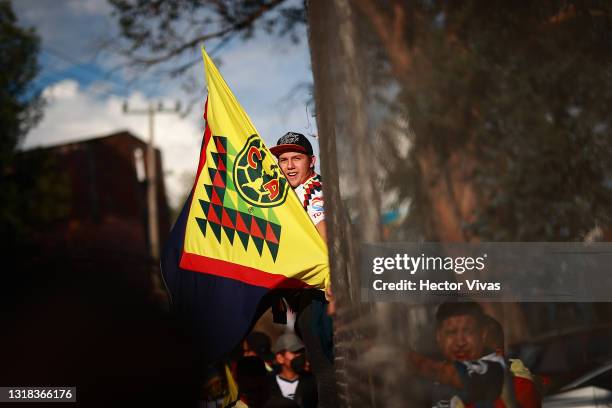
[310, 194]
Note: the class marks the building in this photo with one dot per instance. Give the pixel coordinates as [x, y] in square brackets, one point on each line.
[104, 202]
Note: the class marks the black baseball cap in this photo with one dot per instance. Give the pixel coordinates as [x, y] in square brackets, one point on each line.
[292, 142]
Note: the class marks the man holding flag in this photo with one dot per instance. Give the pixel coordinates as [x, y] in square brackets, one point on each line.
[297, 162]
[242, 234]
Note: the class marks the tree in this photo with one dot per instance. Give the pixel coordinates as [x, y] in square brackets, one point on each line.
[20, 105]
[510, 132]
[33, 189]
[495, 128]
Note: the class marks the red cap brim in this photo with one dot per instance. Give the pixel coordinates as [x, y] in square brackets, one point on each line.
[284, 148]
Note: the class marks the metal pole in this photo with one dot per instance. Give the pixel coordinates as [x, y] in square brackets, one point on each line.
[152, 188]
[151, 170]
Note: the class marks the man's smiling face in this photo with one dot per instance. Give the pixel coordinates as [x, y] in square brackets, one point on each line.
[461, 338]
[297, 167]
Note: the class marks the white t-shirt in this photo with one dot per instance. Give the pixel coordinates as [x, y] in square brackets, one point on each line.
[310, 194]
[287, 387]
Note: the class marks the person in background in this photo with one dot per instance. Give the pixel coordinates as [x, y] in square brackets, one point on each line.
[219, 388]
[292, 380]
[523, 383]
[469, 375]
[253, 383]
[259, 344]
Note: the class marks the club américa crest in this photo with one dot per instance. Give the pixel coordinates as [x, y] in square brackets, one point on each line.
[259, 181]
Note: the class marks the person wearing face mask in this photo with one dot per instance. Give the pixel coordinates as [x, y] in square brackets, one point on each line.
[293, 381]
[258, 344]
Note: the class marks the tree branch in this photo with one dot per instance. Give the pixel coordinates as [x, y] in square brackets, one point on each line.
[232, 28]
[391, 29]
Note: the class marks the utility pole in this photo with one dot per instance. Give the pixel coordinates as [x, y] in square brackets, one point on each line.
[151, 161]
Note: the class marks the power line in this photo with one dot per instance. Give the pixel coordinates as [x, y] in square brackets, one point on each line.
[93, 75]
[98, 75]
[104, 75]
[80, 71]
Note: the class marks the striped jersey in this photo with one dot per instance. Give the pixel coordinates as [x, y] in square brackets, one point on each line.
[310, 194]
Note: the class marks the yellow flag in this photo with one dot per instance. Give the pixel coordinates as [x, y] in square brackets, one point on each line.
[245, 222]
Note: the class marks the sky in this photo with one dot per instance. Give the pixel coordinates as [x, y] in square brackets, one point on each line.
[85, 91]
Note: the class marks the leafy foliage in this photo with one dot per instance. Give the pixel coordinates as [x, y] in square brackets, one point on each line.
[519, 96]
[33, 191]
[20, 107]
